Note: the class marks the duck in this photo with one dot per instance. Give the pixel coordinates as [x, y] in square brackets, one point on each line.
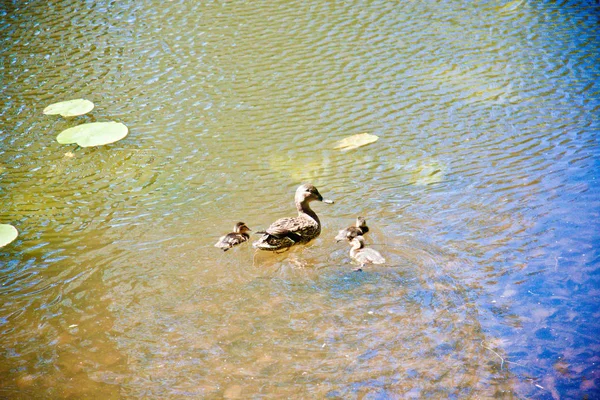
[364, 255]
[238, 236]
[287, 232]
[359, 229]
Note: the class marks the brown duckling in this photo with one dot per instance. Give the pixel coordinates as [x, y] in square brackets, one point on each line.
[359, 229]
[238, 236]
[287, 232]
[364, 255]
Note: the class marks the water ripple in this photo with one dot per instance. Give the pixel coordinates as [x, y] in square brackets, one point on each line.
[480, 193]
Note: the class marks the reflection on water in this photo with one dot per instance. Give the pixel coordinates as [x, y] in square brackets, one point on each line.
[480, 192]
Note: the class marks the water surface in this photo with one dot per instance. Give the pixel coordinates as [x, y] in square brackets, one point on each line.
[481, 193]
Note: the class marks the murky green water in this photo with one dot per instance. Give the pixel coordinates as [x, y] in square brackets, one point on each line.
[481, 193]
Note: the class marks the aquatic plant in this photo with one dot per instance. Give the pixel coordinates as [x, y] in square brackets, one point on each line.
[93, 134]
[85, 135]
[69, 108]
[8, 233]
[355, 141]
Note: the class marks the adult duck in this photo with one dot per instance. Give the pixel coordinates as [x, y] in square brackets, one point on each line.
[359, 229]
[238, 236]
[287, 232]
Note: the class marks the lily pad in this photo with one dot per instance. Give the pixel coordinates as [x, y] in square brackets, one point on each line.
[8, 233]
[354, 141]
[70, 108]
[93, 134]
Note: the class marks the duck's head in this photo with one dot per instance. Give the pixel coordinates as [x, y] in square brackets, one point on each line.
[308, 193]
[361, 222]
[358, 242]
[241, 227]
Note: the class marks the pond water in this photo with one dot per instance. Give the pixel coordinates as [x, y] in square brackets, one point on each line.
[481, 193]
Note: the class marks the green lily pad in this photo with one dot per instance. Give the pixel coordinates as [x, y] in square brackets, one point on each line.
[354, 141]
[70, 108]
[93, 134]
[8, 233]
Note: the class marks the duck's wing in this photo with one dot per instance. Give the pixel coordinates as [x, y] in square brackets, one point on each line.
[272, 243]
[286, 232]
[222, 243]
[353, 232]
[231, 239]
[348, 233]
[342, 235]
[292, 228]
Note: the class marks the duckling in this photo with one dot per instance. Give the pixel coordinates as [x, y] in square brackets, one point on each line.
[364, 255]
[238, 236]
[287, 232]
[359, 229]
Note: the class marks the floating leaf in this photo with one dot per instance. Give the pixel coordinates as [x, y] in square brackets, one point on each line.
[93, 134]
[354, 141]
[428, 172]
[8, 233]
[511, 6]
[70, 108]
[311, 169]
